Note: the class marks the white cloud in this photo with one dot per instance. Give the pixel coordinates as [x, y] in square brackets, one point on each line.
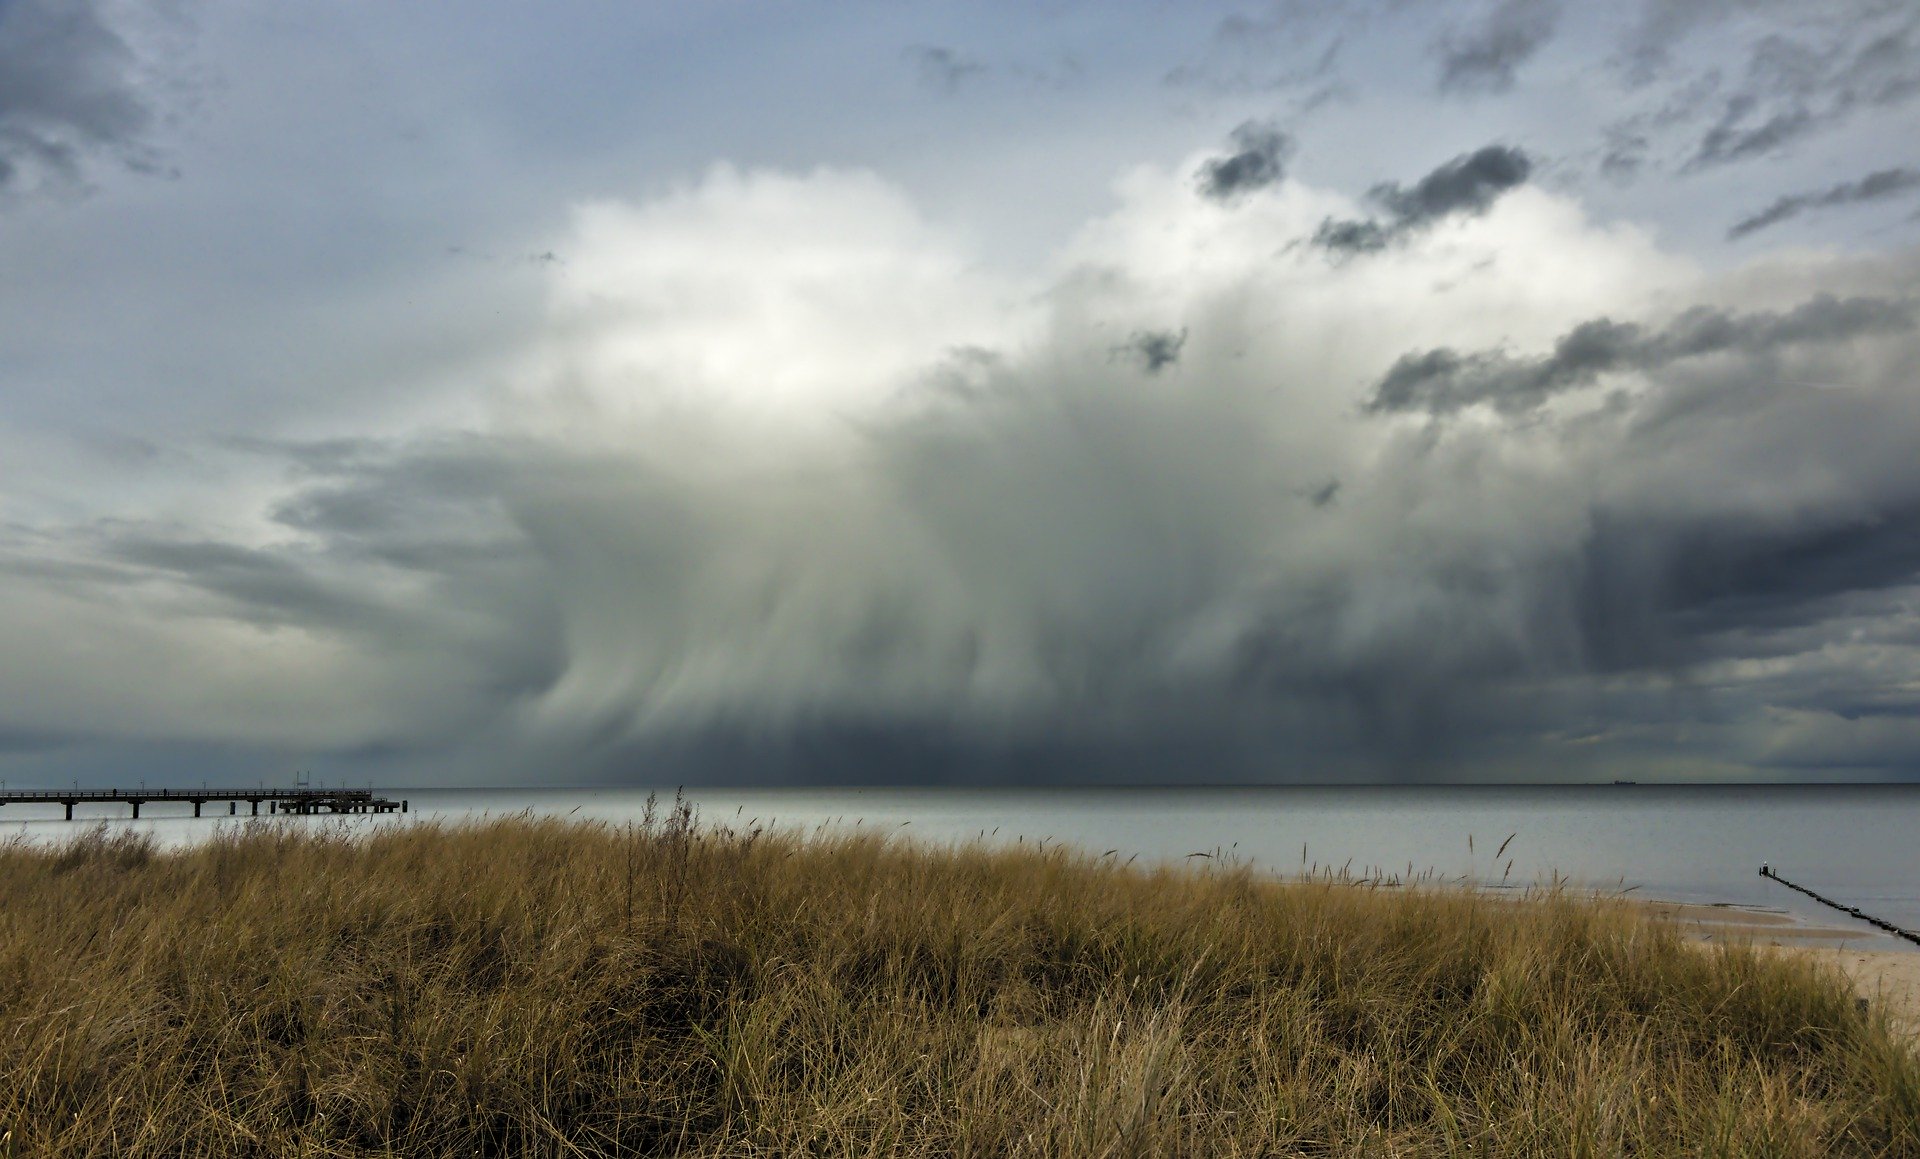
[839, 473]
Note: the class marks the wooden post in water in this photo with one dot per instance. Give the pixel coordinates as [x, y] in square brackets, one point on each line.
[1851, 911]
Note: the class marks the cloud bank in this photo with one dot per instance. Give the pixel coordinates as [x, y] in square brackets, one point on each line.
[792, 486]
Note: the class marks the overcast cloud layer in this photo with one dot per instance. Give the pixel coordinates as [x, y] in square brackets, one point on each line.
[1264, 393]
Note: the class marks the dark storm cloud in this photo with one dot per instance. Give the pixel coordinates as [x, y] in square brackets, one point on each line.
[942, 69]
[1044, 565]
[1878, 186]
[67, 91]
[1153, 350]
[1678, 567]
[1443, 381]
[1467, 186]
[1485, 56]
[1652, 588]
[1259, 160]
[1751, 575]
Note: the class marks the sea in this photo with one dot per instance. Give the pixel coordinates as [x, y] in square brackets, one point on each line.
[1705, 844]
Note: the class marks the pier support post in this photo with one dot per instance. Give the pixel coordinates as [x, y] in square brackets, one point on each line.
[256, 808]
[69, 805]
[403, 806]
[232, 808]
[136, 810]
[196, 808]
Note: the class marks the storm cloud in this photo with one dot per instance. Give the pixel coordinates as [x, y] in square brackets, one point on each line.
[905, 520]
[816, 456]
[1877, 186]
[1466, 186]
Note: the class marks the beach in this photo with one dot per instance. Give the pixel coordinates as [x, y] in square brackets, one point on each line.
[1885, 976]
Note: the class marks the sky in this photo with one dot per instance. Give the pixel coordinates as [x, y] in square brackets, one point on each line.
[941, 393]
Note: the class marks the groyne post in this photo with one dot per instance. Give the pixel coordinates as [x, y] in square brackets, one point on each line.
[1766, 871]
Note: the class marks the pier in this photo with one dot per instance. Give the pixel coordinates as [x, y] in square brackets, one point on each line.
[295, 802]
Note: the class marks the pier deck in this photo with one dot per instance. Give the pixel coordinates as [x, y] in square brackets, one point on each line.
[300, 802]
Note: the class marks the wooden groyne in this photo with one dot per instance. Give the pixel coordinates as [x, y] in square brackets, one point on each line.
[1851, 911]
[300, 801]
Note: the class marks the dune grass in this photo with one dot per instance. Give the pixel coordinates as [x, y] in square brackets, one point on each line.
[538, 987]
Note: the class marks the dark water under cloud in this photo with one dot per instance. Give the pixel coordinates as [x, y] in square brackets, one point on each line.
[1855, 844]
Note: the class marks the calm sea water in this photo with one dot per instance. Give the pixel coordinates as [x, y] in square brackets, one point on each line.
[1855, 844]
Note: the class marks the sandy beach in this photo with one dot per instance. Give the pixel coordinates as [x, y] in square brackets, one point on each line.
[1889, 977]
[1880, 972]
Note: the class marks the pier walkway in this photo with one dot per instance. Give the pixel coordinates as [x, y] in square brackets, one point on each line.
[302, 801]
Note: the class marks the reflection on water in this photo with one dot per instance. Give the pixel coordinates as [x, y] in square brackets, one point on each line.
[1855, 844]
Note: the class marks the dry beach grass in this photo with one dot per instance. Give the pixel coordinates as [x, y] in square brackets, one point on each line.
[537, 987]
[1889, 977]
